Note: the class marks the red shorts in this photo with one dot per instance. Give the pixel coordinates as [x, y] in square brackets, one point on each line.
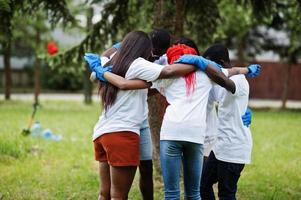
[118, 148]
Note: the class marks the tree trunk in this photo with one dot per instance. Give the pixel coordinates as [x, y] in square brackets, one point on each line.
[158, 5]
[156, 106]
[157, 103]
[37, 71]
[86, 81]
[7, 69]
[241, 51]
[179, 18]
[87, 86]
[286, 85]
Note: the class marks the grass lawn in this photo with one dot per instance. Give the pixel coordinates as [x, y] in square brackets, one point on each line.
[32, 168]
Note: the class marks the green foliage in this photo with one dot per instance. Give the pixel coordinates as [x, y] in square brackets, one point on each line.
[4, 6]
[56, 10]
[236, 20]
[288, 20]
[202, 19]
[61, 81]
[118, 18]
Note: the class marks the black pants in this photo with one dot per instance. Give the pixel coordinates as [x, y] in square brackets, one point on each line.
[224, 173]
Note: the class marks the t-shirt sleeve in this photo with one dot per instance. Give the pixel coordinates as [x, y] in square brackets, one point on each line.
[144, 70]
[241, 85]
[104, 60]
[225, 72]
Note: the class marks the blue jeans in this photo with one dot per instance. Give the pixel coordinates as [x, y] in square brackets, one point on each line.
[146, 150]
[172, 153]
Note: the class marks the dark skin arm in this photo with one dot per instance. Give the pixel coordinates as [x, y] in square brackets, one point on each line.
[170, 71]
[176, 70]
[219, 78]
[237, 70]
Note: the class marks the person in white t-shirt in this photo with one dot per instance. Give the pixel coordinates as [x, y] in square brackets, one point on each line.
[116, 134]
[210, 70]
[160, 43]
[233, 140]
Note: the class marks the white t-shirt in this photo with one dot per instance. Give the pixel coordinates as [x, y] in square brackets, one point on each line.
[162, 60]
[130, 107]
[234, 140]
[185, 116]
[211, 122]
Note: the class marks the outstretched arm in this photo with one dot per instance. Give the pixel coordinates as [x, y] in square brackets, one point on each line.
[252, 70]
[237, 70]
[176, 70]
[124, 84]
[169, 71]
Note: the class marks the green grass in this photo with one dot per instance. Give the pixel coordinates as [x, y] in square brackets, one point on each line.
[32, 168]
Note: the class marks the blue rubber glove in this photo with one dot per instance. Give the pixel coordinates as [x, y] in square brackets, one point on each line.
[117, 45]
[94, 63]
[198, 61]
[93, 60]
[247, 117]
[100, 72]
[254, 70]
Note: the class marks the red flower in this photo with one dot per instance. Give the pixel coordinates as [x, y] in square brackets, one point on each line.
[52, 48]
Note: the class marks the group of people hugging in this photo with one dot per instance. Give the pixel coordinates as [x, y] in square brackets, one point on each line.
[205, 130]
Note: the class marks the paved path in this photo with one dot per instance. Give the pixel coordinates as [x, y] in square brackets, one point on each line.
[254, 103]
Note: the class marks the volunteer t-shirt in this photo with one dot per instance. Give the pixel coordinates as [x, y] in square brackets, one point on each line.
[185, 116]
[234, 140]
[211, 122]
[130, 107]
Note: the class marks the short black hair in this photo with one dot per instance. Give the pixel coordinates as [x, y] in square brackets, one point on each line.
[161, 40]
[188, 42]
[217, 53]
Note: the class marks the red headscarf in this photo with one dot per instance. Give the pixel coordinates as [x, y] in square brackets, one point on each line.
[174, 53]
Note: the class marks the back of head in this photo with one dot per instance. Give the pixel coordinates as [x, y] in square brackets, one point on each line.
[134, 45]
[176, 51]
[218, 53]
[188, 42]
[161, 41]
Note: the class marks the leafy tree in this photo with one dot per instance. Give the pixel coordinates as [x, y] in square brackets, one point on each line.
[199, 19]
[246, 27]
[56, 11]
[286, 19]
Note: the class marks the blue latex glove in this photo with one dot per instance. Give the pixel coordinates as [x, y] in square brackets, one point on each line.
[198, 61]
[254, 70]
[93, 60]
[94, 63]
[100, 72]
[117, 45]
[247, 117]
